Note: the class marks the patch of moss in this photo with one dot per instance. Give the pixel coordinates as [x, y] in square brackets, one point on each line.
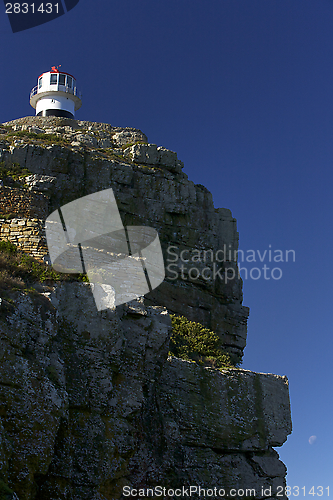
[193, 342]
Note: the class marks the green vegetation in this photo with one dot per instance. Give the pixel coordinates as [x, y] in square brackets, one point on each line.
[14, 170]
[193, 342]
[48, 138]
[7, 216]
[129, 144]
[6, 127]
[18, 271]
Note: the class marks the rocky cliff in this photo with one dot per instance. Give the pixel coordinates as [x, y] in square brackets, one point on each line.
[90, 402]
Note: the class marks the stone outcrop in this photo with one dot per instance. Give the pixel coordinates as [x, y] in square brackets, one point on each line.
[90, 402]
[69, 159]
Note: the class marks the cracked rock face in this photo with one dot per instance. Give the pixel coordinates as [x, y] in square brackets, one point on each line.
[151, 190]
[91, 403]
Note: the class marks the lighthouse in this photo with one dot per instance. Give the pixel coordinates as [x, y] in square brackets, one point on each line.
[56, 94]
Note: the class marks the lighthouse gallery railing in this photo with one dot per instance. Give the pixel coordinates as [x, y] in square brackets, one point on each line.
[64, 88]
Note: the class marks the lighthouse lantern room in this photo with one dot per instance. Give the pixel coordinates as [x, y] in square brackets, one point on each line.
[56, 94]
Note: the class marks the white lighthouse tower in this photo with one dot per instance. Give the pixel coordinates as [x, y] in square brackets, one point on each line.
[56, 94]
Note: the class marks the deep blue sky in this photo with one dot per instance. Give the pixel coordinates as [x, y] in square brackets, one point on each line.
[242, 90]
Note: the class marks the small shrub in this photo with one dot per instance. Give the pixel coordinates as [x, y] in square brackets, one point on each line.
[193, 342]
[18, 270]
[7, 247]
[14, 170]
[9, 281]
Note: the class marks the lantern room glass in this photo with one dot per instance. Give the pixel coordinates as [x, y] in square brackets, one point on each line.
[62, 79]
[53, 79]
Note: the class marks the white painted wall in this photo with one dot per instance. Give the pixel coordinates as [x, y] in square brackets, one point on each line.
[55, 102]
[47, 87]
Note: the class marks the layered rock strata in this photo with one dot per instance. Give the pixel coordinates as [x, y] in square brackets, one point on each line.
[68, 159]
[91, 405]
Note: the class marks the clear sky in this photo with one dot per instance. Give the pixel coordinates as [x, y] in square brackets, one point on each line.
[242, 90]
